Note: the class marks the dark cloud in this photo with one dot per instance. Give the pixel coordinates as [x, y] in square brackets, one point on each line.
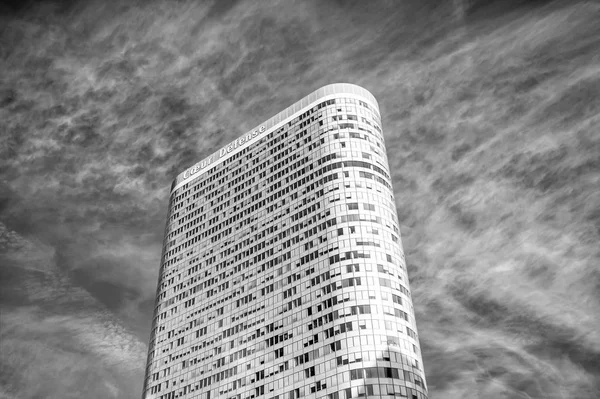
[220, 8]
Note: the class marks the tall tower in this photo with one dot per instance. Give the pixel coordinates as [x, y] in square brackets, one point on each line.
[283, 274]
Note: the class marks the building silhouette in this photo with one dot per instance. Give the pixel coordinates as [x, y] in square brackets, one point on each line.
[283, 274]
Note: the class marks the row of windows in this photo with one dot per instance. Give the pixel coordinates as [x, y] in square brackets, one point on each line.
[281, 133]
[333, 259]
[385, 174]
[346, 327]
[321, 279]
[346, 297]
[396, 387]
[329, 288]
[347, 358]
[237, 253]
[175, 250]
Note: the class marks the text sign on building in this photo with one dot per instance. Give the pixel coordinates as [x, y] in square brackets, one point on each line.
[231, 147]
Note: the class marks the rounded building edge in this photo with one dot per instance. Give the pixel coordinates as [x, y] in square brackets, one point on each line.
[274, 122]
[352, 88]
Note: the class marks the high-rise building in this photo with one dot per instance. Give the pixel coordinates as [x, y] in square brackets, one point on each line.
[283, 274]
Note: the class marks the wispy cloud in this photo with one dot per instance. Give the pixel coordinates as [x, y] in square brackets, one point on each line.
[55, 337]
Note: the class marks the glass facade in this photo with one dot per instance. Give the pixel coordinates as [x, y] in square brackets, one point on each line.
[283, 274]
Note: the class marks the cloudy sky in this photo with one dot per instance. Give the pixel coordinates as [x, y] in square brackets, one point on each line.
[491, 114]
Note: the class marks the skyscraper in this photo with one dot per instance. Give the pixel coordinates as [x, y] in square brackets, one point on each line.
[283, 274]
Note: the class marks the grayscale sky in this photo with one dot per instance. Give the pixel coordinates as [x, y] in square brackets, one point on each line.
[491, 115]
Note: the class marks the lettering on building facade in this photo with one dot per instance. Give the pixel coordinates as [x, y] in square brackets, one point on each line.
[239, 142]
